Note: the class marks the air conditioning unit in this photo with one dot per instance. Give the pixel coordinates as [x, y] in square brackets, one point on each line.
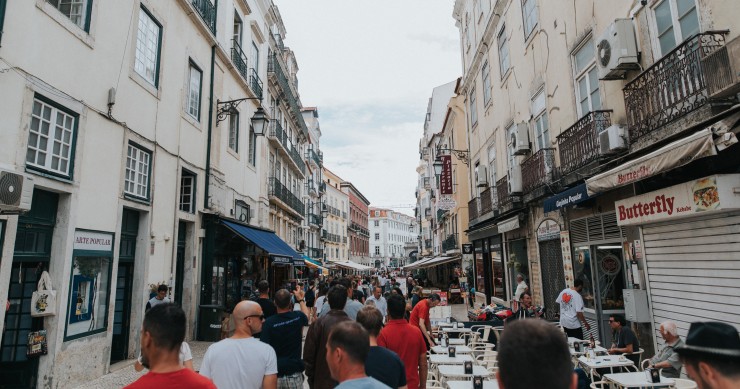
[16, 192]
[616, 50]
[482, 179]
[515, 177]
[612, 139]
[519, 141]
[722, 70]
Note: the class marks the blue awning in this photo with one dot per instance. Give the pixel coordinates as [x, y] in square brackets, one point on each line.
[566, 198]
[279, 251]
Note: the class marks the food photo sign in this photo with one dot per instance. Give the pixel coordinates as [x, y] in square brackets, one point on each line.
[713, 193]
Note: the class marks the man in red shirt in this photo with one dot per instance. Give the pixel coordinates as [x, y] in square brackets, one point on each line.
[162, 333]
[420, 317]
[406, 341]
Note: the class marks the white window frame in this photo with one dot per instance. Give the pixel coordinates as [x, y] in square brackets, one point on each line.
[678, 35]
[195, 85]
[255, 57]
[236, 35]
[504, 62]
[234, 132]
[540, 121]
[529, 17]
[473, 108]
[51, 138]
[252, 158]
[588, 69]
[76, 10]
[138, 172]
[148, 47]
[486, 76]
[188, 185]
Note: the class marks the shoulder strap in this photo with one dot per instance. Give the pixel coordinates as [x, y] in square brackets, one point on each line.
[44, 282]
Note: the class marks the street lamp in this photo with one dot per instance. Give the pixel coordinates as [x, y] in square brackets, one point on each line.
[228, 108]
[438, 166]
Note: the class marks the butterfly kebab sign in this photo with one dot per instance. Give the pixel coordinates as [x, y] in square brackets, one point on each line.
[688, 199]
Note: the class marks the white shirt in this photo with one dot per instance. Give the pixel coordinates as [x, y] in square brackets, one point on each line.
[185, 354]
[319, 303]
[520, 288]
[239, 363]
[380, 303]
[571, 303]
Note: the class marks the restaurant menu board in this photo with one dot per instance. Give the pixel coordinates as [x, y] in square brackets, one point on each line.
[567, 258]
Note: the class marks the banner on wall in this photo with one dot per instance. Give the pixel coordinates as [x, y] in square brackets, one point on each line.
[445, 179]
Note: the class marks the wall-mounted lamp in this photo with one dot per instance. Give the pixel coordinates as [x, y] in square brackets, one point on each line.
[228, 108]
[462, 155]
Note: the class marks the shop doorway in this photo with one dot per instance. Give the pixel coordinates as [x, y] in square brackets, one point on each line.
[31, 256]
[553, 276]
[122, 310]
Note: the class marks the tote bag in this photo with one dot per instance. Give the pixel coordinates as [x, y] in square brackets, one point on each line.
[44, 299]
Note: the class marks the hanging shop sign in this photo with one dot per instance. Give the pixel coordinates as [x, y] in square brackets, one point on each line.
[708, 194]
[509, 224]
[566, 198]
[445, 179]
[446, 203]
[548, 230]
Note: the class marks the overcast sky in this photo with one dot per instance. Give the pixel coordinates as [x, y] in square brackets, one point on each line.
[370, 67]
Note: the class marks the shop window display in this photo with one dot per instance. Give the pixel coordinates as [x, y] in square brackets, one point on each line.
[88, 295]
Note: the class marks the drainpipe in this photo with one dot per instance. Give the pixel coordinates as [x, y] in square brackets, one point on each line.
[210, 129]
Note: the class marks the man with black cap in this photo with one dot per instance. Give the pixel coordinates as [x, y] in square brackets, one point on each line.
[711, 355]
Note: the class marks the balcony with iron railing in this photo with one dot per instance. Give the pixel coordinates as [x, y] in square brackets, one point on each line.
[207, 12]
[315, 253]
[538, 171]
[334, 238]
[275, 69]
[255, 82]
[473, 209]
[450, 243]
[324, 235]
[313, 157]
[280, 192]
[314, 219]
[279, 138]
[487, 201]
[322, 188]
[239, 59]
[579, 144]
[502, 192]
[672, 88]
[279, 41]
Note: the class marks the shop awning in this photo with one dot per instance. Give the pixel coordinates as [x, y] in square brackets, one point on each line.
[418, 263]
[352, 265]
[572, 196]
[279, 251]
[679, 153]
[316, 265]
[438, 261]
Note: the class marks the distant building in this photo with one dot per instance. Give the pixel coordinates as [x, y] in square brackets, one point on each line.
[336, 219]
[390, 232]
[358, 233]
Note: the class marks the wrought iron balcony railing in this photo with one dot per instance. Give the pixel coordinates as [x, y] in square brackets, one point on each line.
[312, 156]
[286, 92]
[579, 144]
[672, 87]
[537, 170]
[486, 200]
[324, 235]
[473, 209]
[277, 134]
[207, 12]
[502, 192]
[322, 189]
[238, 58]
[277, 189]
[450, 243]
[315, 253]
[315, 219]
[255, 83]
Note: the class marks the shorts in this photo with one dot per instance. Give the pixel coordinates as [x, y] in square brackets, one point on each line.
[290, 381]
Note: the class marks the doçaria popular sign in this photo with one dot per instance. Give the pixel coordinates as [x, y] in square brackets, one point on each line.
[690, 198]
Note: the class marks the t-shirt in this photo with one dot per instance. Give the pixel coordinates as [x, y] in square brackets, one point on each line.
[571, 303]
[520, 288]
[351, 307]
[154, 301]
[380, 303]
[239, 363]
[362, 383]
[268, 307]
[320, 303]
[185, 353]
[406, 341]
[183, 378]
[284, 332]
[668, 353]
[385, 366]
[421, 311]
[624, 337]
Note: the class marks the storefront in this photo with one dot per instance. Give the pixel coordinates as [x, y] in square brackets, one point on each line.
[691, 248]
[551, 265]
[516, 257]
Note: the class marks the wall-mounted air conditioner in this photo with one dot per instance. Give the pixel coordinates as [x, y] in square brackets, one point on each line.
[616, 50]
[722, 70]
[519, 141]
[16, 192]
[613, 139]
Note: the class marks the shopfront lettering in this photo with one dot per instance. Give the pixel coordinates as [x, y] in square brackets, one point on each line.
[634, 175]
[661, 204]
[95, 241]
[568, 200]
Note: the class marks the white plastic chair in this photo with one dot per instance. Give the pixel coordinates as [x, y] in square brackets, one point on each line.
[600, 385]
[644, 364]
[681, 383]
[638, 353]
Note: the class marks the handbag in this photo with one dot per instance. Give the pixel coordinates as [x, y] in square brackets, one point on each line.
[44, 299]
[36, 343]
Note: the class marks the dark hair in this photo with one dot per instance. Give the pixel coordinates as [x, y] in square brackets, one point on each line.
[577, 283]
[728, 367]
[533, 343]
[620, 319]
[166, 323]
[337, 297]
[434, 297]
[323, 288]
[396, 306]
[263, 286]
[282, 299]
[523, 293]
[162, 288]
[345, 282]
[352, 338]
[333, 283]
[371, 319]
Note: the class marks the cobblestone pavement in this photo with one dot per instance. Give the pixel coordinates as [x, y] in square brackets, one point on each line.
[123, 373]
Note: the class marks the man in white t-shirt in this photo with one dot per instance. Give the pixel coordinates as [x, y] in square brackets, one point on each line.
[571, 310]
[379, 301]
[242, 361]
[521, 287]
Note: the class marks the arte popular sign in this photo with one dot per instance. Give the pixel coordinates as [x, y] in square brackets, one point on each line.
[548, 230]
[445, 180]
[93, 241]
[708, 194]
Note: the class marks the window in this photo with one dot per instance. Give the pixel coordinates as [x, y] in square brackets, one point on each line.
[377, 223]
[255, 54]
[492, 166]
[539, 113]
[78, 11]
[377, 250]
[138, 168]
[252, 147]
[194, 87]
[503, 52]
[51, 137]
[473, 108]
[529, 13]
[148, 42]
[187, 191]
[234, 132]
[377, 236]
[586, 79]
[675, 20]
[486, 75]
[238, 28]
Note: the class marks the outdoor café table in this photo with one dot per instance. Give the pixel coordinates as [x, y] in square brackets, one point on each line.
[458, 371]
[458, 349]
[442, 324]
[456, 341]
[487, 384]
[458, 329]
[598, 350]
[444, 359]
[637, 379]
[604, 362]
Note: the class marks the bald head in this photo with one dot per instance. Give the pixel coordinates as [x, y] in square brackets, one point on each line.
[246, 308]
[248, 318]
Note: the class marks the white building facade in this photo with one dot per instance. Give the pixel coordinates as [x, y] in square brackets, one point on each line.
[390, 233]
[334, 233]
